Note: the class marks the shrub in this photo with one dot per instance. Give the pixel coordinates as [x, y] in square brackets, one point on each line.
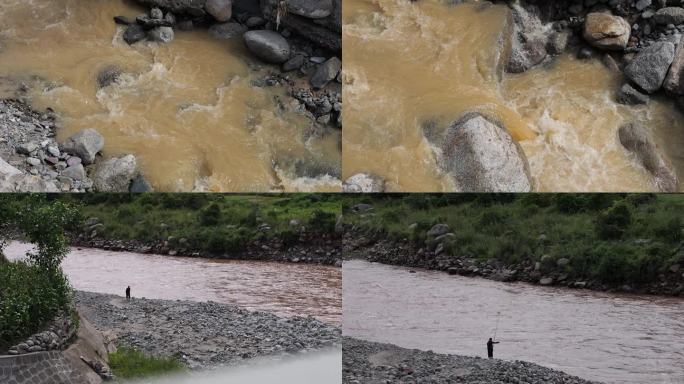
[211, 215]
[323, 221]
[128, 363]
[614, 222]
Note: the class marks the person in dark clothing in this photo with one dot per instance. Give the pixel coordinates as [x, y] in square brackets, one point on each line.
[128, 293]
[490, 348]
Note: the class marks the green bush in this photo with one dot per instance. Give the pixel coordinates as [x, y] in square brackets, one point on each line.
[128, 363]
[322, 221]
[211, 215]
[614, 222]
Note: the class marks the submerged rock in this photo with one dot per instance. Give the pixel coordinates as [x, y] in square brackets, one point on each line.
[650, 66]
[629, 96]
[85, 144]
[161, 35]
[637, 139]
[108, 76]
[134, 33]
[364, 183]
[481, 156]
[268, 45]
[606, 31]
[115, 174]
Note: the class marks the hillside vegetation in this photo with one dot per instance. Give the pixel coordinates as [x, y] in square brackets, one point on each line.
[613, 238]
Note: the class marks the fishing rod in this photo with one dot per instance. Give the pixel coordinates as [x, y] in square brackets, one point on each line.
[498, 317]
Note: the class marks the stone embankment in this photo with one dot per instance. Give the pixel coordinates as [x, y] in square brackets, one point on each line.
[368, 362]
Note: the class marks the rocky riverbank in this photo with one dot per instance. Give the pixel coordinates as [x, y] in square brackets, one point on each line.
[433, 256]
[203, 335]
[310, 247]
[368, 362]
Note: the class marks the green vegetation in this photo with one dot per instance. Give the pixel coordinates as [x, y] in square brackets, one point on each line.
[127, 363]
[613, 238]
[33, 291]
[211, 222]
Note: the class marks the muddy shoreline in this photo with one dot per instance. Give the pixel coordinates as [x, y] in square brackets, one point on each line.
[359, 245]
[211, 335]
[369, 362]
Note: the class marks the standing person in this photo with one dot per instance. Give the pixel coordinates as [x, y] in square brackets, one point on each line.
[128, 294]
[490, 348]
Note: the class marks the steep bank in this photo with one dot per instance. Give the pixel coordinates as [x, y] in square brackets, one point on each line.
[203, 335]
[366, 362]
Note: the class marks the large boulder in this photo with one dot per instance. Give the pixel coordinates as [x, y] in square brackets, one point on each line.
[268, 45]
[674, 81]
[312, 9]
[529, 39]
[481, 156]
[669, 15]
[115, 174]
[13, 180]
[637, 139]
[606, 31]
[364, 183]
[84, 144]
[323, 32]
[221, 10]
[649, 68]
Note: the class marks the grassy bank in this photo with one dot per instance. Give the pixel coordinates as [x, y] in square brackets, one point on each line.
[128, 363]
[613, 238]
[214, 223]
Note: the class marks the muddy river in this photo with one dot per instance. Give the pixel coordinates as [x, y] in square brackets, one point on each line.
[408, 63]
[598, 336]
[187, 110]
[285, 289]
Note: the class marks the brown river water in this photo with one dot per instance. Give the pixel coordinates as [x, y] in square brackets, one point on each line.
[612, 338]
[187, 110]
[285, 289]
[408, 63]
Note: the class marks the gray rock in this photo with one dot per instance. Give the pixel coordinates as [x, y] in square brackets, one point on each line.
[674, 81]
[156, 13]
[85, 144]
[226, 31]
[268, 45]
[76, 172]
[326, 72]
[637, 139]
[295, 62]
[134, 33]
[140, 185]
[528, 38]
[481, 156]
[606, 31]
[669, 15]
[108, 76]
[161, 34]
[33, 161]
[364, 183]
[439, 230]
[558, 41]
[642, 4]
[115, 174]
[629, 96]
[546, 281]
[650, 66]
[312, 9]
[7, 170]
[221, 10]
[27, 148]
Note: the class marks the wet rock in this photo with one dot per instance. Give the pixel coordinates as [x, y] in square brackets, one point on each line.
[324, 32]
[558, 41]
[108, 76]
[225, 31]
[255, 22]
[134, 33]
[115, 174]
[295, 62]
[585, 53]
[76, 172]
[650, 66]
[481, 156]
[326, 72]
[528, 39]
[364, 183]
[606, 31]
[141, 185]
[221, 10]
[312, 9]
[148, 22]
[674, 81]
[161, 35]
[85, 144]
[156, 13]
[629, 96]
[268, 45]
[637, 139]
[122, 20]
[669, 15]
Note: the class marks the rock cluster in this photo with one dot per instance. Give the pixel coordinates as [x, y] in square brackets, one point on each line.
[311, 247]
[434, 254]
[36, 162]
[54, 337]
[212, 335]
[368, 362]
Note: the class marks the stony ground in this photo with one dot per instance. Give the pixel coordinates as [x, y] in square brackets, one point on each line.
[374, 363]
[203, 335]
